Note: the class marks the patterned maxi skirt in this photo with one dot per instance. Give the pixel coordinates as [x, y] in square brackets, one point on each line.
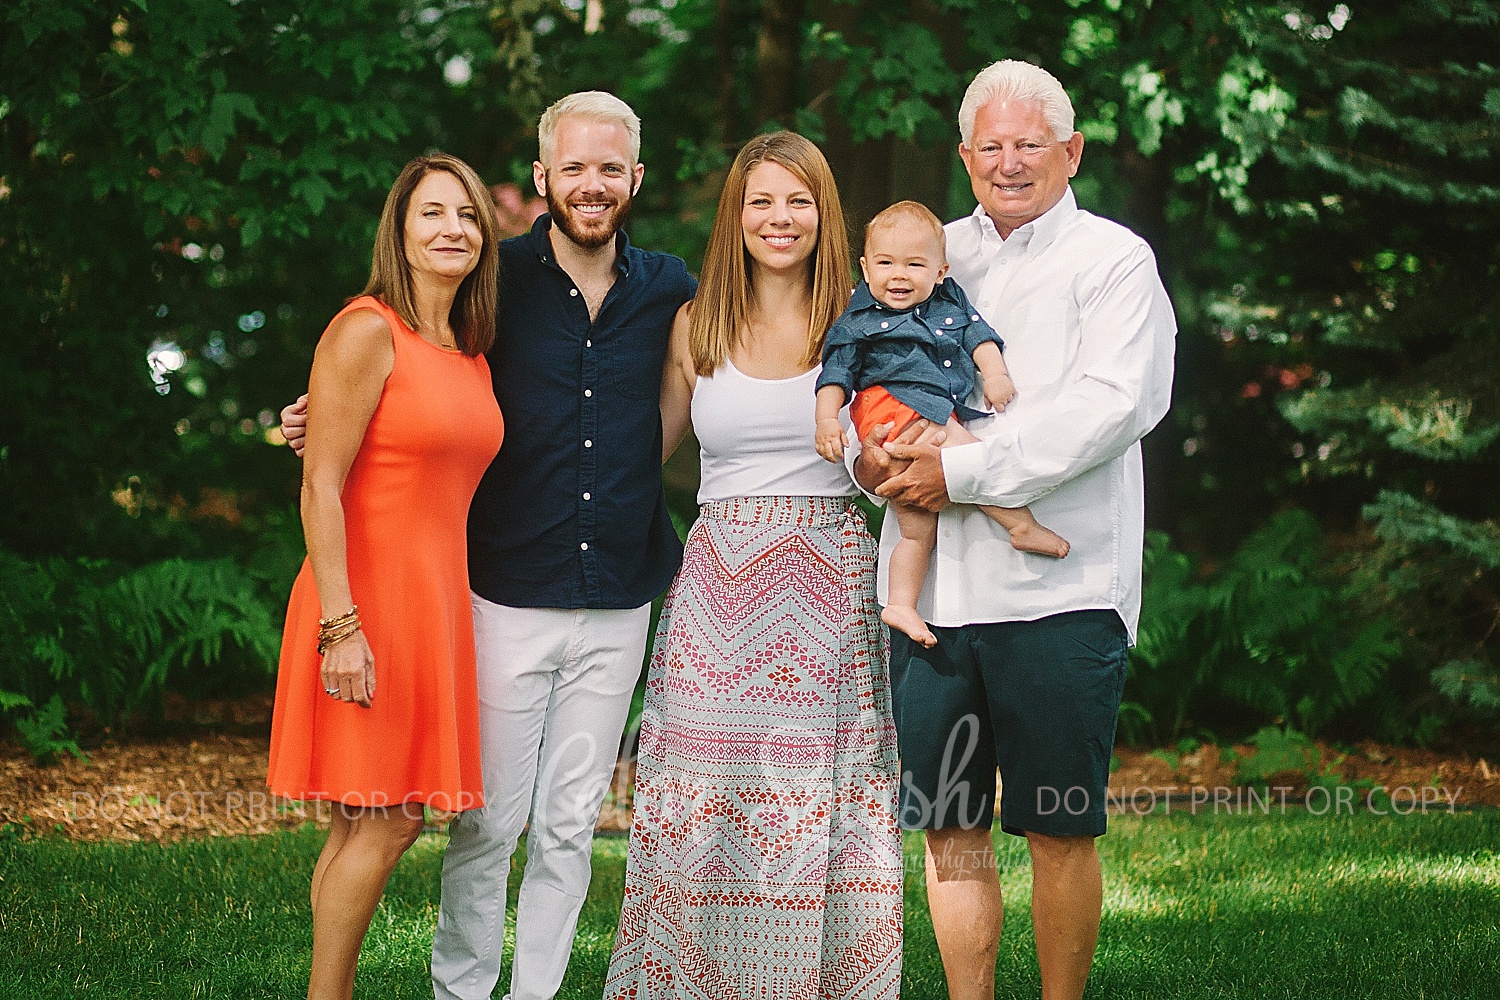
[765, 860]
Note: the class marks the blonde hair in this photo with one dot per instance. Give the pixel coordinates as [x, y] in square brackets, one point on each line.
[913, 212]
[473, 311]
[1014, 80]
[722, 309]
[593, 105]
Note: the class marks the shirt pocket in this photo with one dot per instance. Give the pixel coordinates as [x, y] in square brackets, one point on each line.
[632, 364]
[1040, 345]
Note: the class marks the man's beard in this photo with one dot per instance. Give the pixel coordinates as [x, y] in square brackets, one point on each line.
[589, 234]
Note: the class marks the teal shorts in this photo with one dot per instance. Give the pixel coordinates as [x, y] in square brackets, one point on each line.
[1039, 699]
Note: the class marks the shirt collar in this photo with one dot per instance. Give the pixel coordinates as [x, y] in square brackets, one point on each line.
[944, 295]
[1039, 233]
[541, 244]
[864, 299]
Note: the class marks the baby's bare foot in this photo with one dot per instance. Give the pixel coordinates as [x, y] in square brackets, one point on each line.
[907, 620]
[1035, 538]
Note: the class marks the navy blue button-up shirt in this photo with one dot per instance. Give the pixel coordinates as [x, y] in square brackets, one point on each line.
[922, 355]
[571, 513]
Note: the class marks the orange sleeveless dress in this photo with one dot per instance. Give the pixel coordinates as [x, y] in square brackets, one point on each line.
[406, 505]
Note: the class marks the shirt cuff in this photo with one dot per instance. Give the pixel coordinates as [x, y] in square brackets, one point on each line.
[966, 467]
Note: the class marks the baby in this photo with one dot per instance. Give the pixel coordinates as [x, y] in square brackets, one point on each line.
[908, 347]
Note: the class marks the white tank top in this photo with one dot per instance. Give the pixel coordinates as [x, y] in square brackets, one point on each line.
[756, 438]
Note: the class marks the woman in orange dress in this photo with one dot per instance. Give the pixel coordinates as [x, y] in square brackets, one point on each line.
[376, 703]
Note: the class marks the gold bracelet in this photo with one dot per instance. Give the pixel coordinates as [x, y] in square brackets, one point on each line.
[327, 639]
[343, 619]
[338, 633]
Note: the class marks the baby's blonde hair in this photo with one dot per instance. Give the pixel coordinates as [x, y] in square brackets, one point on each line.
[909, 212]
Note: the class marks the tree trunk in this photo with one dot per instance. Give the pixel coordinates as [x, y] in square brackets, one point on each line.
[1148, 178]
[776, 61]
[724, 98]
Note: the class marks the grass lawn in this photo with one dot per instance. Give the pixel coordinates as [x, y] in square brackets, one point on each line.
[1207, 906]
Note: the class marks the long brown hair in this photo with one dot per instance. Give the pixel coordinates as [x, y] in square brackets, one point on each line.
[473, 312]
[722, 309]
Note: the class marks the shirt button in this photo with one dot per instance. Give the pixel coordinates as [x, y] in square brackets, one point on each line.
[584, 546]
[947, 364]
[938, 332]
[587, 393]
[587, 443]
[588, 343]
[949, 321]
[588, 496]
[884, 325]
[975, 317]
[573, 292]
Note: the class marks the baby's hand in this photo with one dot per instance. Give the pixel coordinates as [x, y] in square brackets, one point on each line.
[999, 390]
[829, 439]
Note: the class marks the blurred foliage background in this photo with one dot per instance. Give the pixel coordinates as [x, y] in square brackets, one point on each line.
[189, 189]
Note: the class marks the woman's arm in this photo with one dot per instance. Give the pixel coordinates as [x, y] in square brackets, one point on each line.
[677, 381]
[352, 362]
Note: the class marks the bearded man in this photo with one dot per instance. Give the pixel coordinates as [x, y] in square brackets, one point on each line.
[569, 541]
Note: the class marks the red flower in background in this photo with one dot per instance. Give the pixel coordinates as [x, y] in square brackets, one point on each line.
[514, 212]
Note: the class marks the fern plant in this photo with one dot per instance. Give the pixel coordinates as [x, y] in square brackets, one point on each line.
[43, 731]
[1167, 674]
[114, 641]
[1271, 632]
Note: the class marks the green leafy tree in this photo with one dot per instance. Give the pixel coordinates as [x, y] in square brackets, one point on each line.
[189, 191]
[1381, 283]
[198, 183]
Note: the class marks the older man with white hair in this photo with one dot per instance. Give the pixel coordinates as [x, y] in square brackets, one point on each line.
[1029, 666]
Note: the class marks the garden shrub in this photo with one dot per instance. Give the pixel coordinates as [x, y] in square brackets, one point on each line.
[113, 639]
[1273, 635]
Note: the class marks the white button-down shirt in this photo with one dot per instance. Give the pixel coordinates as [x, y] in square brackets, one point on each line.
[1089, 336]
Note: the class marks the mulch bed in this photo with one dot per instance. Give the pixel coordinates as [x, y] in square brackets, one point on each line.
[210, 785]
[213, 784]
[1415, 780]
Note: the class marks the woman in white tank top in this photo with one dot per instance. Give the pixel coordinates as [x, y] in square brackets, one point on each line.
[752, 436]
[765, 860]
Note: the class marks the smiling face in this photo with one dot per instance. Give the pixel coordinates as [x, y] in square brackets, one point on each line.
[590, 181]
[441, 234]
[779, 218]
[903, 263]
[1017, 168]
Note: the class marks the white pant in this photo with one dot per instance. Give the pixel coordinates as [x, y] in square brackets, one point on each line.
[554, 693]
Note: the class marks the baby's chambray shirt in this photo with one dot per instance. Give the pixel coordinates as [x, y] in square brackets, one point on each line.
[922, 355]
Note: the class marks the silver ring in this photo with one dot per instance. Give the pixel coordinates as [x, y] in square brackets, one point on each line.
[330, 690]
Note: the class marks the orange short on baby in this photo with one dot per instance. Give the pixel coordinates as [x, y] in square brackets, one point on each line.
[876, 406]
